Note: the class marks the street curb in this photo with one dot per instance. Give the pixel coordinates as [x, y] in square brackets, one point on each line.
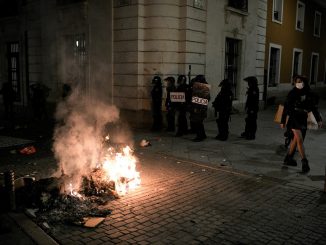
[32, 230]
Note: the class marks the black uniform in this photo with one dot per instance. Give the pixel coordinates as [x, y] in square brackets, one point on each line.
[223, 105]
[169, 105]
[181, 107]
[157, 94]
[198, 111]
[251, 107]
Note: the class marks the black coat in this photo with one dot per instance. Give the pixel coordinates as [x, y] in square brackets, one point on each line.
[252, 102]
[223, 101]
[157, 93]
[297, 105]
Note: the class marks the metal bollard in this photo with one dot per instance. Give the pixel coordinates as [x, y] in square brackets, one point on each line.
[9, 179]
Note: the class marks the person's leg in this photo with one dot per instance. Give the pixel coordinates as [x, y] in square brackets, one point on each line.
[179, 124]
[298, 137]
[218, 128]
[288, 160]
[251, 126]
[245, 133]
[184, 122]
[200, 132]
[299, 142]
[223, 126]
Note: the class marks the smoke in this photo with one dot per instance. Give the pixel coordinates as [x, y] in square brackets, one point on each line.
[83, 123]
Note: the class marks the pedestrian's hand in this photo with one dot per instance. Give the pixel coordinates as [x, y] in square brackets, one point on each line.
[282, 125]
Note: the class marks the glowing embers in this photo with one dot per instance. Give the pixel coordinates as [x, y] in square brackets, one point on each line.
[120, 168]
[115, 175]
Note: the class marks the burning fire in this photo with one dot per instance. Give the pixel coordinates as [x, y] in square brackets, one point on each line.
[93, 165]
[120, 167]
[115, 171]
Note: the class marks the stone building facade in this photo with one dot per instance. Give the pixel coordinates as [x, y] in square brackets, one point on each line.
[112, 49]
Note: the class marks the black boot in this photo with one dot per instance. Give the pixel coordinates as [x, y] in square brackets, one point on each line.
[305, 165]
[288, 160]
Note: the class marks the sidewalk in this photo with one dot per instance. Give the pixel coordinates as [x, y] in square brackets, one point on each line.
[263, 156]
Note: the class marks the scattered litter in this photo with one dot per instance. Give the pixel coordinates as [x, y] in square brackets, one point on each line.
[23, 181]
[203, 170]
[178, 162]
[13, 152]
[45, 225]
[191, 172]
[31, 212]
[202, 156]
[224, 160]
[93, 221]
[28, 150]
[145, 143]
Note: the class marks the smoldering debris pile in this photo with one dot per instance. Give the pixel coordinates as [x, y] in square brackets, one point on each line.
[50, 201]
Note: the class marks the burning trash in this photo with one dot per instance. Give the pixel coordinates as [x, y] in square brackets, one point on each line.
[145, 143]
[92, 169]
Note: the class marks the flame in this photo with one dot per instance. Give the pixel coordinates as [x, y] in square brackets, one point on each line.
[120, 167]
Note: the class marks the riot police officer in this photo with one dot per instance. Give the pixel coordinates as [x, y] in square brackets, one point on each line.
[169, 105]
[198, 112]
[251, 107]
[181, 107]
[157, 94]
[223, 105]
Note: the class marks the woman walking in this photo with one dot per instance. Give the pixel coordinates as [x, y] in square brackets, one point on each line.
[300, 101]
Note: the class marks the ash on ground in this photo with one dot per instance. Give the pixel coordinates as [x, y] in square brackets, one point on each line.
[55, 205]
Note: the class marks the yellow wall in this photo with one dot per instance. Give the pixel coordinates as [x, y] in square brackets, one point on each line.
[288, 37]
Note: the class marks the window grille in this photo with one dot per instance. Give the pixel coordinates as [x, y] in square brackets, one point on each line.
[232, 58]
[239, 4]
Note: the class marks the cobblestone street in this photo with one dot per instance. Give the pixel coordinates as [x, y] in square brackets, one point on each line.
[233, 192]
[186, 203]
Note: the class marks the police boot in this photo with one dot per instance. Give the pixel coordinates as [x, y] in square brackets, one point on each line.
[288, 160]
[305, 165]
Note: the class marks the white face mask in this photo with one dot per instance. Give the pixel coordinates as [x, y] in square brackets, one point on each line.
[299, 85]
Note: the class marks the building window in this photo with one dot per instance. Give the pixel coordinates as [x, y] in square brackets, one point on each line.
[239, 4]
[277, 15]
[297, 62]
[300, 16]
[317, 24]
[274, 65]
[13, 67]
[199, 4]
[232, 61]
[65, 2]
[122, 3]
[314, 68]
